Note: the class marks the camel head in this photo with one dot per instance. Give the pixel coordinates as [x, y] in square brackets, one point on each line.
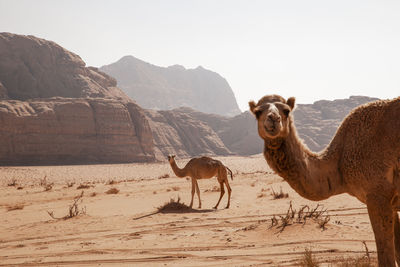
[273, 115]
[171, 158]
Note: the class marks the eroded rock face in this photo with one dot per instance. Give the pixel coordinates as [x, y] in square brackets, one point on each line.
[54, 110]
[31, 67]
[159, 88]
[177, 132]
[73, 131]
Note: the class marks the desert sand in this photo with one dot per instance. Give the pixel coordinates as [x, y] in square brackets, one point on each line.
[126, 228]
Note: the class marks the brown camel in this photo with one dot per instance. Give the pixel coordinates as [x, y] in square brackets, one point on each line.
[203, 168]
[363, 160]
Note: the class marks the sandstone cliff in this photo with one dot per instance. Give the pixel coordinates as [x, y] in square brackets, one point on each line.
[54, 110]
[161, 88]
[31, 67]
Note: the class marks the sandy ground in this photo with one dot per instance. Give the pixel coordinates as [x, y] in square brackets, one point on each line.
[125, 229]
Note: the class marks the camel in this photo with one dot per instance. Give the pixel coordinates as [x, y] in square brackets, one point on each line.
[203, 168]
[362, 159]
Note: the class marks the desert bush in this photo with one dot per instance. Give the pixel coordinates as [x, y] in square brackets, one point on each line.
[279, 195]
[70, 184]
[12, 183]
[20, 187]
[83, 186]
[73, 209]
[112, 191]
[176, 188]
[300, 217]
[45, 184]
[173, 206]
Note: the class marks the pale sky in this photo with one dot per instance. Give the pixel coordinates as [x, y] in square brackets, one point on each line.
[308, 49]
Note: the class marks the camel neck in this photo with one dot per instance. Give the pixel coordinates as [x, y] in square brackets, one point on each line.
[314, 176]
[178, 172]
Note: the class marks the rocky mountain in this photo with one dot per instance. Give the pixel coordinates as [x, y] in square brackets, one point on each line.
[159, 88]
[54, 110]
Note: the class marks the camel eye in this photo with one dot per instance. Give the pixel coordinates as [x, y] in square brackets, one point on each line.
[286, 111]
[258, 113]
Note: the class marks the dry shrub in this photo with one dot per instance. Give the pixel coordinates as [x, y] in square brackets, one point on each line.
[176, 188]
[73, 209]
[70, 184]
[20, 187]
[83, 186]
[253, 184]
[279, 195]
[45, 184]
[15, 207]
[93, 194]
[301, 217]
[361, 261]
[308, 259]
[12, 183]
[154, 192]
[173, 206]
[111, 182]
[168, 190]
[260, 195]
[214, 189]
[163, 176]
[112, 191]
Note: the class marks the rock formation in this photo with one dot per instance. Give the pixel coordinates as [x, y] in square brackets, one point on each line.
[54, 110]
[161, 88]
[178, 132]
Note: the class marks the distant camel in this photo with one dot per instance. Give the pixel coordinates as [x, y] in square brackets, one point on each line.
[363, 160]
[203, 168]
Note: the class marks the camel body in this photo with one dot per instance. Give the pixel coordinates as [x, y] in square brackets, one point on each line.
[363, 160]
[203, 168]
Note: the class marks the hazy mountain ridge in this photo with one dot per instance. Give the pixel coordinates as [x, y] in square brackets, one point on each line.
[160, 88]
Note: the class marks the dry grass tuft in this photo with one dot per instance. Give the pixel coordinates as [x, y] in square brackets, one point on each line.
[163, 176]
[308, 259]
[301, 217]
[361, 261]
[112, 191]
[15, 207]
[173, 206]
[279, 195]
[45, 184]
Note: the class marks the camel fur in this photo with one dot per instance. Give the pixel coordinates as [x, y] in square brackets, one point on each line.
[204, 168]
[363, 160]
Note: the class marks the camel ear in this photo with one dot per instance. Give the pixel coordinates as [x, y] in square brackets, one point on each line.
[290, 102]
[254, 109]
[252, 106]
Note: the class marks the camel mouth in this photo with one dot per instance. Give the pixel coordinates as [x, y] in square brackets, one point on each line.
[271, 131]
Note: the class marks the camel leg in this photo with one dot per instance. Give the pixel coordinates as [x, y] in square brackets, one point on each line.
[198, 193]
[229, 193]
[381, 217]
[221, 184]
[193, 188]
[397, 236]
